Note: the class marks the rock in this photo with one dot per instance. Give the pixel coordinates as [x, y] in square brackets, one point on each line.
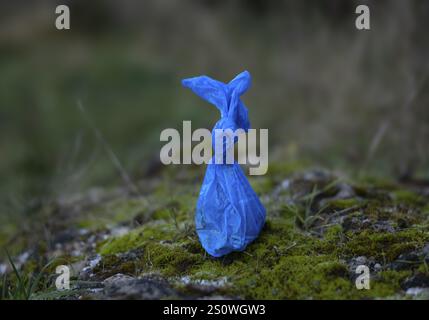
[342, 191]
[131, 255]
[383, 226]
[304, 184]
[117, 279]
[3, 268]
[361, 260]
[78, 266]
[203, 286]
[119, 231]
[345, 191]
[285, 184]
[417, 280]
[218, 298]
[411, 259]
[119, 287]
[418, 293]
[370, 262]
[414, 291]
[86, 272]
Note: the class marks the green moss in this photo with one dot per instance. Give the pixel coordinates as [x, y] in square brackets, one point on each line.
[171, 260]
[262, 184]
[341, 204]
[371, 182]
[112, 213]
[281, 169]
[424, 268]
[295, 277]
[111, 264]
[136, 239]
[162, 214]
[385, 246]
[283, 263]
[164, 250]
[386, 284]
[408, 197]
[333, 234]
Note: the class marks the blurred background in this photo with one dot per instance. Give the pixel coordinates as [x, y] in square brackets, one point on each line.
[341, 98]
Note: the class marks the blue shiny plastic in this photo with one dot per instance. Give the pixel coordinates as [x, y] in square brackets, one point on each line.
[229, 214]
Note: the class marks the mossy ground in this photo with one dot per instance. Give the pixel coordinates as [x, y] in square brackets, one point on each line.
[304, 251]
[282, 264]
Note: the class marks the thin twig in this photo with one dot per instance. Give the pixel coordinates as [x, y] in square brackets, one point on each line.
[384, 125]
[115, 160]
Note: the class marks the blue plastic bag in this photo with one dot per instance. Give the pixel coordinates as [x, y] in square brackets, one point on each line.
[229, 214]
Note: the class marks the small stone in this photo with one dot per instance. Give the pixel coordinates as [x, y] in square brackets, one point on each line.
[345, 191]
[120, 286]
[285, 184]
[118, 279]
[361, 260]
[94, 261]
[414, 291]
[417, 280]
[425, 250]
[3, 268]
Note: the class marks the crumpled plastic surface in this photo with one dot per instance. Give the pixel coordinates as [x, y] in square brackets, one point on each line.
[229, 214]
